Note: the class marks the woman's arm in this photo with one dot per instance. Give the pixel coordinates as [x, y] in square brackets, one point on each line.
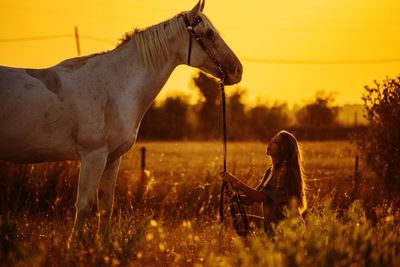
[265, 177]
[250, 192]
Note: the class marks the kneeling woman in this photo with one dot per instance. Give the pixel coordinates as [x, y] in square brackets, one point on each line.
[281, 183]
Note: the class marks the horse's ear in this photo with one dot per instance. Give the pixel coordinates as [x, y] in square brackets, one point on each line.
[202, 5]
[198, 7]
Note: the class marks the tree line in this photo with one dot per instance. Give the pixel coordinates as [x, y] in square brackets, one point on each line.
[177, 119]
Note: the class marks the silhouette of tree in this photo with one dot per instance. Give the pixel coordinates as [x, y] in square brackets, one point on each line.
[237, 122]
[209, 107]
[266, 121]
[175, 121]
[149, 124]
[168, 121]
[320, 113]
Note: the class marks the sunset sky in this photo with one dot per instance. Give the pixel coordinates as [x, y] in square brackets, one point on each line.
[289, 48]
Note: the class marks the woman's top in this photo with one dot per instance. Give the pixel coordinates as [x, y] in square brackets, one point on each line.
[273, 186]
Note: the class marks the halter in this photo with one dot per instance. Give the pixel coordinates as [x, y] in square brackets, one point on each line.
[240, 224]
[192, 33]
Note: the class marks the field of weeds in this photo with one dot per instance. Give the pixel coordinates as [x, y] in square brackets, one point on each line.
[168, 215]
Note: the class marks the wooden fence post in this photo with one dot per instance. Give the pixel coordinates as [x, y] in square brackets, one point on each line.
[143, 158]
[357, 178]
[143, 178]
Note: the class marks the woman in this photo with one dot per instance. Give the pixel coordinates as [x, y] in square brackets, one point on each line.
[282, 183]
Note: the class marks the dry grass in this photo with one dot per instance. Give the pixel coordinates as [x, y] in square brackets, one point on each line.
[168, 217]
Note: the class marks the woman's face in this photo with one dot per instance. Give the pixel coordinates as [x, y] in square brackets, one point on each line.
[273, 147]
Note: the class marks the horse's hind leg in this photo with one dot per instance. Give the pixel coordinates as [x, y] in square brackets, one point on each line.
[105, 196]
[92, 167]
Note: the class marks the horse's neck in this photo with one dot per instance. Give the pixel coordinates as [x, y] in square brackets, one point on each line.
[141, 84]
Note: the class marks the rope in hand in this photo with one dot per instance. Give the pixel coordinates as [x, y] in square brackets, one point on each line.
[240, 221]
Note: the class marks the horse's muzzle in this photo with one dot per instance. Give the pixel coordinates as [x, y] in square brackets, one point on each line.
[233, 75]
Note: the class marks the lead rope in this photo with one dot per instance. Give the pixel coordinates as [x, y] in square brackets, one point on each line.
[224, 184]
[241, 227]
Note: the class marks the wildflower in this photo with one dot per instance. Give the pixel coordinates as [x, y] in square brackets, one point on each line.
[201, 209]
[115, 262]
[389, 218]
[149, 236]
[161, 246]
[187, 224]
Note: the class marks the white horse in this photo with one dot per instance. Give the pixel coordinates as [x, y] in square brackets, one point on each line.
[89, 108]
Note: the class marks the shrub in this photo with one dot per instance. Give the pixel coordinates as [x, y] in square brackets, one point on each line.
[380, 143]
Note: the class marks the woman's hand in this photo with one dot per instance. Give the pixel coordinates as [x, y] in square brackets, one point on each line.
[228, 177]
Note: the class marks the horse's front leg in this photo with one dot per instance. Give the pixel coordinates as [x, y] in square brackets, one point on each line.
[105, 196]
[92, 167]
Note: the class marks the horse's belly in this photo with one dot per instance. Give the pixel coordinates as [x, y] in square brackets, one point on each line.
[34, 147]
[36, 142]
[31, 154]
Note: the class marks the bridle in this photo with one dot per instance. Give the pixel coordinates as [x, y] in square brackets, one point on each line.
[240, 224]
[192, 33]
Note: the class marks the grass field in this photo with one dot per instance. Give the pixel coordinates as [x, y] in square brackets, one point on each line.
[168, 215]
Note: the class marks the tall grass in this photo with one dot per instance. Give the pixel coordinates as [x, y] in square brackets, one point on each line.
[167, 216]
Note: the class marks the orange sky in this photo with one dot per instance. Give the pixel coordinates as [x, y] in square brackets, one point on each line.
[287, 47]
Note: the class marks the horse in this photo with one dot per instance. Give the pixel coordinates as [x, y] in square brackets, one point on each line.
[89, 108]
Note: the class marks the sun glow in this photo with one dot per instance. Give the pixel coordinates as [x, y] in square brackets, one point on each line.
[289, 49]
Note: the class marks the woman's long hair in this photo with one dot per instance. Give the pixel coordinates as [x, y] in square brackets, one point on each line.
[290, 154]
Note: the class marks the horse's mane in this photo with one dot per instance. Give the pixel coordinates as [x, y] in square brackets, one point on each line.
[153, 42]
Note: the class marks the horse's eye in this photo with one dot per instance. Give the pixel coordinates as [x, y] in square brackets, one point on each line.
[210, 34]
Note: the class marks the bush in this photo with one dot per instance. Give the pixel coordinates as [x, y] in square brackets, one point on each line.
[323, 239]
[380, 143]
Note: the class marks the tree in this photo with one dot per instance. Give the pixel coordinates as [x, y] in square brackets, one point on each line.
[175, 118]
[380, 144]
[266, 121]
[167, 121]
[209, 114]
[148, 126]
[320, 113]
[237, 121]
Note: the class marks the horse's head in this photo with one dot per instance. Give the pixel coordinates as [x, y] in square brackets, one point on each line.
[207, 50]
